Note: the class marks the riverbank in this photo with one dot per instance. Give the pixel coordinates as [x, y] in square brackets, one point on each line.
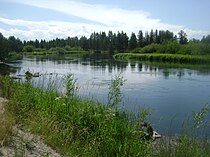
[79, 127]
[16, 142]
[170, 58]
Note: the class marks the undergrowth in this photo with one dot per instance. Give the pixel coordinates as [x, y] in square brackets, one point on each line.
[74, 126]
[78, 127]
[6, 122]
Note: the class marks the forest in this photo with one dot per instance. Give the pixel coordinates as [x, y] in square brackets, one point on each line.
[158, 41]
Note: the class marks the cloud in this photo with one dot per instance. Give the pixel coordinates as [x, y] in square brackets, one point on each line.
[98, 17]
[48, 29]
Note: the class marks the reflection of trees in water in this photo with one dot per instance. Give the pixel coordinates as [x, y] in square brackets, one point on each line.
[102, 62]
[105, 61]
[7, 69]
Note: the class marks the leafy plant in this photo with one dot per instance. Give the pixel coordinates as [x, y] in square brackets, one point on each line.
[115, 94]
[70, 84]
[199, 117]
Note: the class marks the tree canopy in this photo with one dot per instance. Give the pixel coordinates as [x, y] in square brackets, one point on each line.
[101, 41]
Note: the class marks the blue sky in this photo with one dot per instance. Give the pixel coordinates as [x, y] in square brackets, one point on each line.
[48, 19]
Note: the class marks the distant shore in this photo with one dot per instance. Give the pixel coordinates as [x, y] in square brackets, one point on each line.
[172, 58]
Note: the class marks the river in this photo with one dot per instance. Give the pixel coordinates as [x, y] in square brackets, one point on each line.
[171, 92]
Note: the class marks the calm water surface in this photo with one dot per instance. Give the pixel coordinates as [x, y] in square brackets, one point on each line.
[171, 93]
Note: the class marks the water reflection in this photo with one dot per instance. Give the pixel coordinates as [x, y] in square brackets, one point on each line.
[172, 91]
[6, 69]
[102, 62]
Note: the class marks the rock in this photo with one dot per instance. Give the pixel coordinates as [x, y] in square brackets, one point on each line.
[149, 132]
[156, 135]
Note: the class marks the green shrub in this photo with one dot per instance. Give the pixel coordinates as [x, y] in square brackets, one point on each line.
[136, 50]
[28, 48]
[152, 48]
[57, 50]
[170, 47]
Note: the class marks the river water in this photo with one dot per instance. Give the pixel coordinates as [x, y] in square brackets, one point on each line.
[171, 92]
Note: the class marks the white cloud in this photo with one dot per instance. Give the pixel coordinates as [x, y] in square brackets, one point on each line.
[48, 30]
[100, 18]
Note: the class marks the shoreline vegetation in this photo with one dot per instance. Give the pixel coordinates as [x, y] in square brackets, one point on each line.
[78, 127]
[164, 58]
[176, 48]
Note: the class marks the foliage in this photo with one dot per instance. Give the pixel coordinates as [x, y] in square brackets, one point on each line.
[193, 48]
[136, 50]
[115, 95]
[84, 128]
[171, 58]
[200, 116]
[152, 48]
[5, 86]
[170, 47]
[7, 121]
[133, 42]
[206, 39]
[71, 87]
[57, 50]
[3, 47]
[160, 41]
[28, 48]
[185, 144]
[74, 126]
[182, 37]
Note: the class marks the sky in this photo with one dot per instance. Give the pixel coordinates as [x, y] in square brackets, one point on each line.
[49, 19]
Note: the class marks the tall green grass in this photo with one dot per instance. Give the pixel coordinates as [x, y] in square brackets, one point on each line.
[74, 126]
[172, 58]
[77, 127]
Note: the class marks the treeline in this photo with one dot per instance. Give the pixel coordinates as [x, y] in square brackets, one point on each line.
[110, 42]
[8, 45]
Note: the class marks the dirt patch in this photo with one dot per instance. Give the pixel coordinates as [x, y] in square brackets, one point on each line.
[27, 145]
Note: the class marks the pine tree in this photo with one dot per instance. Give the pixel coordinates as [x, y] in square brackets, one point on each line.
[140, 39]
[133, 42]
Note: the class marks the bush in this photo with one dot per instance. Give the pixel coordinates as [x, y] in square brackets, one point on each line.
[152, 48]
[170, 47]
[39, 50]
[57, 50]
[68, 48]
[195, 49]
[28, 48]
[136, 50]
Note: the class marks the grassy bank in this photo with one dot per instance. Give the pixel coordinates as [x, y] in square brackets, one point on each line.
[77, 127]
[172, 58]
[74, 126]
